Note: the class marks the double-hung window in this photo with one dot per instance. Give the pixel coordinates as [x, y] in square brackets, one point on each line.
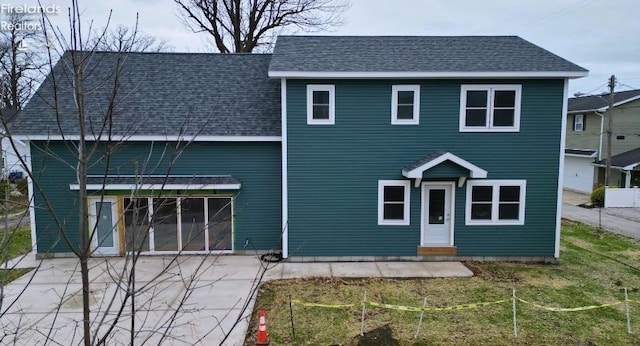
[578, 122]
[405, 104]
[320, 104]
[393, 202]
[490, 108]
[495, 202]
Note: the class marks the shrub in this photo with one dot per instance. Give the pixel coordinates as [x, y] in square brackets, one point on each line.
[21, 184]
[597, 196]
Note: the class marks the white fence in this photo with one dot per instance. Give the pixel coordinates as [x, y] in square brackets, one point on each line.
[622, 198]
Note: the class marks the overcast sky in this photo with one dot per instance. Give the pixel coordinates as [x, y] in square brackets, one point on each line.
[599, 35]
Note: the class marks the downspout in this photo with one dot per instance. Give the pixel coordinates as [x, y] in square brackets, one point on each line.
[601, 131]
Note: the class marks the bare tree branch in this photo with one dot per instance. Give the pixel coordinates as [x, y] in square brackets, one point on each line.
[242, 26]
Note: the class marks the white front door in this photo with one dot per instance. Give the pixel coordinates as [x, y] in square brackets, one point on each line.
[437, 214]
[103, 220]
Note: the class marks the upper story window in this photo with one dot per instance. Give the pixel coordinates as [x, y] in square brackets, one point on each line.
[393, 202]
[321, 104]
[405, 104]
[578, 122]
[495, 202]
[490, 108]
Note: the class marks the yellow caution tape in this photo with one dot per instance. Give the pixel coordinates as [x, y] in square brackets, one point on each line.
[395, 307]
[456, 307]
[582, 308]
[469, 306]
[316, 305]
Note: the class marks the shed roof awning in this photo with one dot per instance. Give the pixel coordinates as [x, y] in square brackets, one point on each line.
[416, 169]
[581, 153]
[626, 161]
[151, 182]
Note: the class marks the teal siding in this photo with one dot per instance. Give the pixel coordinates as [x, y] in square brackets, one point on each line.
[446, 169]
[257, 165]
[333, 170]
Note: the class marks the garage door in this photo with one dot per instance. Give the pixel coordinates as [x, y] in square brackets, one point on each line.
[578, 173]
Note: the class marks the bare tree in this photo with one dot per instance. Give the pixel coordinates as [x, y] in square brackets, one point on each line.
[20, 64]
[242, 26]
[92, 139]
[126, 39]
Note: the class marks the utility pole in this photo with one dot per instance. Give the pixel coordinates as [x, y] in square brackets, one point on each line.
[612, 85]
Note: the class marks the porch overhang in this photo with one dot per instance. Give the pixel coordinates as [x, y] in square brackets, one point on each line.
[151, 182]
[417, 169]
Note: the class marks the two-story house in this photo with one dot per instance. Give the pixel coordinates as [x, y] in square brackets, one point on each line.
[331, 148]
[586, 141]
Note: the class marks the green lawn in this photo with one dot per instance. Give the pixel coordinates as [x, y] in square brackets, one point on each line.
[594, 268]
[18, 243]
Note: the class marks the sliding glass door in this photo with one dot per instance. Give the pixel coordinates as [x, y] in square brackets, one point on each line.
[172, 224]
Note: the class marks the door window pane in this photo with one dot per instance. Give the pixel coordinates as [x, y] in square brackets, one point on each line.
[192, 223]
[436, 206]
[104, 225]
[164, 221]
[220, 219]
[136, 224]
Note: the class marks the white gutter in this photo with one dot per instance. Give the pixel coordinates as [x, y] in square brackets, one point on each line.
[601, 131]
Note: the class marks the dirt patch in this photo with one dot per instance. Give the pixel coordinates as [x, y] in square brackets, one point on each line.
[379, 336]
[489, 272]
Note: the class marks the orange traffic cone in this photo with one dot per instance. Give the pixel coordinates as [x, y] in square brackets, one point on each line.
[263, 337]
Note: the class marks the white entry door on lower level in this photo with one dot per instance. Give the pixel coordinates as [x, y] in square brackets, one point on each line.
[437, 214]
[103, 219]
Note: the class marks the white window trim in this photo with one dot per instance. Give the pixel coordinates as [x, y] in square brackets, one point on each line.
[407, 190]
[495, 202]
[576, 122]
[332, 104]
[394, 104]
[490, 88]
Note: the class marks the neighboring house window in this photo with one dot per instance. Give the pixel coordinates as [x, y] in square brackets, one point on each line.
[320, 104]
[495, 202]
[393, 202]
[578, 122]
[405, 104]
[490, 108]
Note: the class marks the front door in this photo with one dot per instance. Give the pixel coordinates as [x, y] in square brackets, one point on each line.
[103, 221]
[437, 214]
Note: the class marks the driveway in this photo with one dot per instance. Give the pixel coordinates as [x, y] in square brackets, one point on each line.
[625, 221]
[214, 295]
[51, 304]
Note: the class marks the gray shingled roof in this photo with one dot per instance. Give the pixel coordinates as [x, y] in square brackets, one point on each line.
[628, 158]
[414, 54]
[581, 152]
[164, 94]
[601, 102]
[423, 160]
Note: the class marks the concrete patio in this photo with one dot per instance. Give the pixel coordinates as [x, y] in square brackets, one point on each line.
[220, 288]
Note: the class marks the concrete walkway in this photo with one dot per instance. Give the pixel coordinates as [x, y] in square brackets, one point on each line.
[48, 300]
[625, 221]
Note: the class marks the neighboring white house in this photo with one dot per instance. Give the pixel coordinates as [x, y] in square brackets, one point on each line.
[586, 140]
[11, 158]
